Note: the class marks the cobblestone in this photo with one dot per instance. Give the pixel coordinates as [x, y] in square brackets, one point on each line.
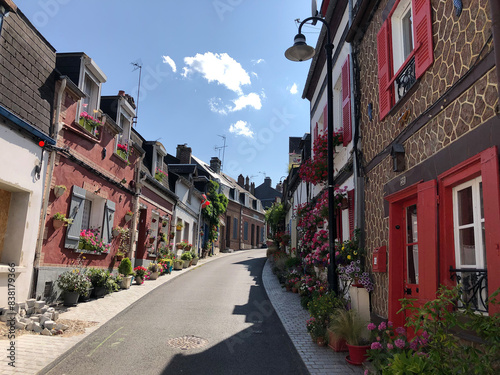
[318, 360]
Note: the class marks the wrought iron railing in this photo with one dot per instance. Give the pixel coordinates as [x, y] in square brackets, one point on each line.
[406, 79]
[474, 287]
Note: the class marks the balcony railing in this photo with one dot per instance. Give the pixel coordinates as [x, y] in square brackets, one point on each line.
[406, 79]
[474, 287]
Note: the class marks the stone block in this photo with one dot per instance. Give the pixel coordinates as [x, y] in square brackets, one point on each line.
[26, 320]
[43, 319]
[62, 327]
[22, 313]
[44, 309]
[55, 315]
[46, 332]
[37, 327]
[39, 304]
[16, 308]
[49, 324]
[30, 302]
[21, 305]
[3, 318]
[35, 318]
[30, 310]
[51, 309]
[29, 326]
[20, 325]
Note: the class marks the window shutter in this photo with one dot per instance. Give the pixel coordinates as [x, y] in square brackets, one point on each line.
[338, 219]
[75, 213]
[346, 102]
[424, 56]
[427, 240]
[350, 199]
[384, 70]
[107, 223]
[316, 132]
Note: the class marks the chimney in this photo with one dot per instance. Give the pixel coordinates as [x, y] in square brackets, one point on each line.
[215, 164]
[267, 181]
[247, 184]
[121, 93]
[184, 154]
[279, 187]
[241, 180]
[252, 188]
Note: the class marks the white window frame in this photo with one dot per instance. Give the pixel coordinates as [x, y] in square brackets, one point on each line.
[155, 216]
[96, 211]
[478, 223]
[337, 104]
[89, 68]
[397, 31]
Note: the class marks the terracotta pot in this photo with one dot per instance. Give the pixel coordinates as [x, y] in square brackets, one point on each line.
[57, 223]
[295, 290]
[321, 341]
[336, 343]
[357, 354]
[288, 288]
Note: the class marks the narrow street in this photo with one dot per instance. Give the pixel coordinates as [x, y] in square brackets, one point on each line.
[222, 304]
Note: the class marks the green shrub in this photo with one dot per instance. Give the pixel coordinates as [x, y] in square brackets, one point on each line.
[292, 262]
[125, 267]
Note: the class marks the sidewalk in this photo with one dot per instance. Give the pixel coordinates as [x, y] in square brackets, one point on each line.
[318, 360]
[34, 352]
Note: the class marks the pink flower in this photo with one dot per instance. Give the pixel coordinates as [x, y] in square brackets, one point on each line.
[390, 346]
[382, 326]
[414, 345]
[400, 331]
[376, 345]
[399, 343]
[371, 326]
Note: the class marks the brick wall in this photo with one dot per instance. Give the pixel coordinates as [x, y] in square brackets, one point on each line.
[27, 75]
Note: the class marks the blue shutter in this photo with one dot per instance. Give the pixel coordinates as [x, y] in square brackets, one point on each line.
[75, 213]
[107, 224]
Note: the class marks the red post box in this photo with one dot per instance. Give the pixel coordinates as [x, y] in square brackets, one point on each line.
[379, 263]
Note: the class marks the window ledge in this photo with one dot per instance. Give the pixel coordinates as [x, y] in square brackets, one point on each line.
[76, 128]
[117, 156]
[396, 107]
[4, 269]
[89, 252]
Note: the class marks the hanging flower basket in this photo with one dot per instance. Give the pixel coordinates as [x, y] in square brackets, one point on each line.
[59, 190]
[179, 227]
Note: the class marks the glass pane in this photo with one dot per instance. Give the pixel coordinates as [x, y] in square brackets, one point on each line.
[467, 247]
[412, 264]
[465, 215]
[481, 199]
[411, 224]
[484, 244]
[407, 33]
[87, 207]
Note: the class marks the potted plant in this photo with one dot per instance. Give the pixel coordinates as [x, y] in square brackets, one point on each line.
[73, 283]
[152, 239]
[99, 279]
[59, 190]
[125, 269]
[60, 219]
[186, 257]
[195, 258]
[153, 270]
[348, 325]
[179, 225]
[167, 265]
[178, 264]
[164, 223]
[128, 216]
[140, 272]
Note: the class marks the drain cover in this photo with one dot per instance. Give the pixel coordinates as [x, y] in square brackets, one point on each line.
[187, 342]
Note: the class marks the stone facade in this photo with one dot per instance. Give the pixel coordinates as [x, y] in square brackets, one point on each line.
[441, 111]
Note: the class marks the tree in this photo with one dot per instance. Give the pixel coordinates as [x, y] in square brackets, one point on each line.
[274, 216]
[212, 212]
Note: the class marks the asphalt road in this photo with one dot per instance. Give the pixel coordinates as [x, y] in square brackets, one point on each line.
[223, 304]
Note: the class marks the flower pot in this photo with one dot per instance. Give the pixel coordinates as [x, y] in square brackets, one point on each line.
[295, 290]
[195, 261]
[153, 275]
[336, 343]
[115, 232]
[57, 223]
[85, 297]
[179, 227]
[178, 265]
[99, 291]
[119, 257]
[59, 191]
[126, 281]
[357, 354]
[139, 280]
[169, 271]
[186, 264]
[190, 263]
[128, 218]
[151, 240]
[321, 341]
[71, 298]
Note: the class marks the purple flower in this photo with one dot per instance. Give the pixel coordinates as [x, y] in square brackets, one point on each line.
[390, 346]
[425, 335]
[366, 372]
[390, 324]
[399, 343]
[376, 345]
[400, 331]
[382, 326]
[371, 326]
[414, 345]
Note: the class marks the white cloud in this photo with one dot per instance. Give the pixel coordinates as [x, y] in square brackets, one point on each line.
[258, 61]
[169, 61]
[254, 74]
[220, 68]
[293, 89]
[217, 106]
[241, 128]
[250, 100]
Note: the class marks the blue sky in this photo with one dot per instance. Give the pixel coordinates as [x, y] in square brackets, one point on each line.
[210, 68]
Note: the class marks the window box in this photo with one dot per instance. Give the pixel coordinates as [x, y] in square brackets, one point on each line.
[89, 123]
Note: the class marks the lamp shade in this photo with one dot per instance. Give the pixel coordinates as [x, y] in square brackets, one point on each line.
[300, 51]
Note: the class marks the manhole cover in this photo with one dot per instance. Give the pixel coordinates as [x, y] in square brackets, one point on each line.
[187, 342]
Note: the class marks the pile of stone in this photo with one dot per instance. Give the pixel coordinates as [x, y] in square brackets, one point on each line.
[34, 316]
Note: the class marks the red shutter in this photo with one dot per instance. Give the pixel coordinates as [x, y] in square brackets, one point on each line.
[346, 102]
[427, 240]
[384, 70]
[424, 56]
[325, 119]
[350, 199]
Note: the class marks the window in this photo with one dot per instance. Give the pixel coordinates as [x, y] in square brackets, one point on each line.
[89, 211]
[153, 227]
[235, 228]
[245, 231]
[404, 50]
[125, 114]
[91, 90]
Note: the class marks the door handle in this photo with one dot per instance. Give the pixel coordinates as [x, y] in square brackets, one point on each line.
[408, 291]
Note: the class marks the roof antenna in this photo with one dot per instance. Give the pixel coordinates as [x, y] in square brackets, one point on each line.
[137, 65]
[223, 148]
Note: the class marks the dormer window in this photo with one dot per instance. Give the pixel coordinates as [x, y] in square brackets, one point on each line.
[124, 115]
[90, 82]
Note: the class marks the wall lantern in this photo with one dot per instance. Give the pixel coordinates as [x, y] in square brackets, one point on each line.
[398, 157]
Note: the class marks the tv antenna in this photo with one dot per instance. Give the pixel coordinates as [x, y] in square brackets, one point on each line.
[223, 148]
[137, 65]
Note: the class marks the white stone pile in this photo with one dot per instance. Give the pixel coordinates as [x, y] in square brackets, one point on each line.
[34, 316]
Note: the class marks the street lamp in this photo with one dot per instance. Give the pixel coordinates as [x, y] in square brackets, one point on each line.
[300, 51]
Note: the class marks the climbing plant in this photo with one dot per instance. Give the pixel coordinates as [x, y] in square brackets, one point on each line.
[212, 212]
